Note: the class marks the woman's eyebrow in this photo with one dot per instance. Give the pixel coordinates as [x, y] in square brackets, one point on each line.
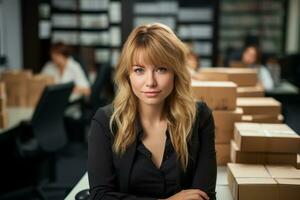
[138, 65]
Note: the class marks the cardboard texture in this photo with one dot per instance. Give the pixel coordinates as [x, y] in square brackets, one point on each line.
[259, 105]
[2, 89]
[224, 120]
[16, 86]
[237, 156]
[250, 182]
[242, 77]
[224, 124]
[3, 104]
[255, 91]
[288, 179]
[223, 153]
[254, 137]
[263, 182]
[263, 118]
[4, 119]
[217, 95]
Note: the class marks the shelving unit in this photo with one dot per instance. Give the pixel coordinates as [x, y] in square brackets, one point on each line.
[145, 12]
[196, 25]
[193, 21]
[263, 18]
[91, 27]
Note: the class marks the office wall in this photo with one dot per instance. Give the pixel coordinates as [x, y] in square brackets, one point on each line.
[293, 28]
[12, 44]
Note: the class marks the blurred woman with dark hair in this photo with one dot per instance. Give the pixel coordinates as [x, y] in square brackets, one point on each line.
[251, 57]
[65, 69]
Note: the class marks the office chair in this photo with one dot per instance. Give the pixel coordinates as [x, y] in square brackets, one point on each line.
[100, 95]
[44, 135]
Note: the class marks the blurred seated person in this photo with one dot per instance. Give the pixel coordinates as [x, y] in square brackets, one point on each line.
[65, 69]
[251, 57]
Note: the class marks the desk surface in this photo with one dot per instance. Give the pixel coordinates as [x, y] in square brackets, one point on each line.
[16, 115]
[222, 189]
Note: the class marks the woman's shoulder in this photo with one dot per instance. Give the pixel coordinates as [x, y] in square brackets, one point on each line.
[103, 114]
[202, 109]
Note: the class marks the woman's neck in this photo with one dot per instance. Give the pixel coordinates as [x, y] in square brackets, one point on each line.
[151, 114]
[62, 66]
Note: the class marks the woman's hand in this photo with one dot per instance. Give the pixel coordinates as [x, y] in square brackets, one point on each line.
[191, 194]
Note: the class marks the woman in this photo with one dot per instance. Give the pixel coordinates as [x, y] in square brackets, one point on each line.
[154, 141]
[65, 69]
[251, 57]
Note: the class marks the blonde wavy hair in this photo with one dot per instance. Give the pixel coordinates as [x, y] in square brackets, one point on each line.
[160, 47]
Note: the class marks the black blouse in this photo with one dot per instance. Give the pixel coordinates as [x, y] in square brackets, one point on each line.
[146, 181]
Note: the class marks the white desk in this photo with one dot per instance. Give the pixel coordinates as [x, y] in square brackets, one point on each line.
[223, 192]
[16, 115]
[81, 185]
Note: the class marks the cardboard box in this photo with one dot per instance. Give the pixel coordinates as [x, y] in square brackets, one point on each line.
[263, 182]
[217, 95]
[16, 86]
[263, 118]
[36, 86]
[248, 182]
[255, 91]
[3, 104]
[289, 189]
[240, 76]
[298, 161]
[225, 119]
[224, 123]
[223, 137]
[204, 75]
[223, 153]
[259, 105]
[288, 179]
[254, 137]
[237, 64]
[283, 171]
[237, 156]
[2, 90]
[4, 120]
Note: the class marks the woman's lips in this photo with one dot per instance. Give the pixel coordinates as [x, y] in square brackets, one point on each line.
[151, 93]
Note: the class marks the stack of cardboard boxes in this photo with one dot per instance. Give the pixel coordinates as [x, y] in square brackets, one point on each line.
[23, 88]
[260, 182]
[3, 105]
[245, 78]
[260, 109]
[221, 98]
[256, 143]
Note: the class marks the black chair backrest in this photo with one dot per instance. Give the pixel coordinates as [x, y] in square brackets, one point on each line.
[47, 121]
[102, 79]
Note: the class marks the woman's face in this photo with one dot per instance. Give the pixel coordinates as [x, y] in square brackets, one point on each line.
[250, 56]
[58, 58]
[151, 84]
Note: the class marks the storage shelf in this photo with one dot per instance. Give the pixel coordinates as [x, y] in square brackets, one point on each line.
[195, 23]
[80, 29]
[68, 11]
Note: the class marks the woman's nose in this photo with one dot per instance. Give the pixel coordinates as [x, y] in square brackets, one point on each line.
[151, 81]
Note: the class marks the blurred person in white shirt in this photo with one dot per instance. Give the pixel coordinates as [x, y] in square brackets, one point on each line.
[65, 69]
[251, 57]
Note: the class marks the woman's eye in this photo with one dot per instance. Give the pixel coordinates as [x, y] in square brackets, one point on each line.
[161, 69]
[138, 70]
